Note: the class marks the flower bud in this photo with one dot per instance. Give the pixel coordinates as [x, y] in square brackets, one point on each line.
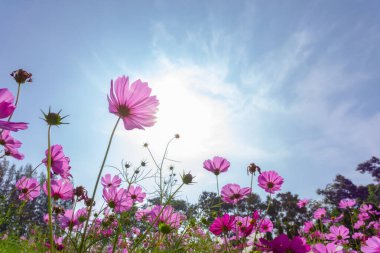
[22, 76]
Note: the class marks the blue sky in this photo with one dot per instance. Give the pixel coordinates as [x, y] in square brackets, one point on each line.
[292, 86]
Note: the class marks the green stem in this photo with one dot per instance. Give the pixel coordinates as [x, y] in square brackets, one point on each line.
[96, 185]
[48, 181]
[217, 185]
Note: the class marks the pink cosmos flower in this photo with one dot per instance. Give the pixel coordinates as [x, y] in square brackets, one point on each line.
[117, 199]
[329, 248]
[108, 182]
[347, 203]
[58, 243]
[266, 226]
[338, 234]
[232, 193]
[167, 216]
[132, 103]
[136, 194]
[72, 220]
[270, 181]
[282, 244]
[308, 226]
[60, 189]
[59, 162]
[333, 219]
[372, 245]
[359, 224]
[29, 187]
[11, 145]
[302, 203]
[6, 109]
[46, 218]
[217, 165]
[222, 224]
[358, 236]
[320, 213]
[364, 208]
[142, 214]
[244, 225]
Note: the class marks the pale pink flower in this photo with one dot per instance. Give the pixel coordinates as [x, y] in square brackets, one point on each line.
[167, 215]
[11, 145]
[347, 203]
[136, 194]
[329, 248]
[364, 208]
[29, 187]
[6, 109]
[117, 199]
[217, 165]
[132, 103]
[338, 234]
[270, 181]
[232, 193]
[60, 189]
[308, 226]
[372, 245]
[108, 182]
[59, 162]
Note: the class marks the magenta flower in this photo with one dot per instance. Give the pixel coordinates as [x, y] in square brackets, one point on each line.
[73, 220]
[282, 244]
[132, 103]
[217, 165]
[232, 193]
[136, 194]
[329, 248]
[222, 224]
[364, 208]
[117, 199]
[11, 145]
[372, 245]
[308, 226]
[320, 213]
[60, 189]
[266, 226]
[244, 225]
[6, 109]
[302, 203]
[29, 187]
[347, 203]
[270, 181]
[338, 234]
[108, 182]
[59, 162]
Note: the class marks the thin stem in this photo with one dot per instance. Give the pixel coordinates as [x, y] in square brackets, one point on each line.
[17, 96]
[217, 185]
[96, 184]
[49, 192]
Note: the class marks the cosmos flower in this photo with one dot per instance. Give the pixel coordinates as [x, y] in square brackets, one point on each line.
[270, 181]
[372, 245]
[302, 203]
[117, 199]
[6, 109]
[232, 193]
[266, 226]
[217, 165]
[320, 213]
[29, 187]
[108, 182]
[136, 194]
[338, 234]
[132, 103]
[165, 215]
[59, 162]
[347, 203]
[282, 244]
[11, 145]
[222, 224]
[329, 248]
[60, 189]
[72, 220]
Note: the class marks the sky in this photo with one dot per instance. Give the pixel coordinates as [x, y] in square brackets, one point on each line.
[292, 86]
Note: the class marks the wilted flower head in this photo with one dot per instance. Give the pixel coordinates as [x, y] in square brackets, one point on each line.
[6, 109]
[54, 119]
[270, 181]
[253, 168]
[232, 193]
[222, 224]
[217, 165]
[132, 103]
[187, 178]
[21, 76]
[29, 187]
